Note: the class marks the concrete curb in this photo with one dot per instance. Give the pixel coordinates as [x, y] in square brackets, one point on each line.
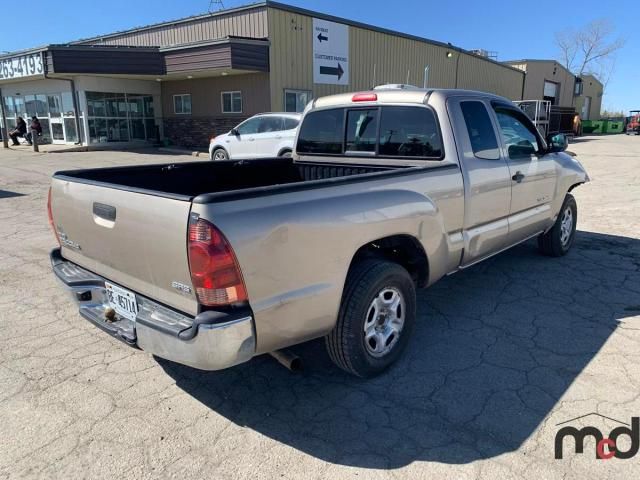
[182, 151]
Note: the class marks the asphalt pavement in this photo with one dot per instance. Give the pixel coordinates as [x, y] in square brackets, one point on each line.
[503, 353]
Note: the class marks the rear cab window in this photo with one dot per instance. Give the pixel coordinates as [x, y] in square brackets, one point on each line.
[322, 132]
[387, 131]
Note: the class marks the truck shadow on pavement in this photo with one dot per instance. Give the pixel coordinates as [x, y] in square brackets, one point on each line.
[495, 348]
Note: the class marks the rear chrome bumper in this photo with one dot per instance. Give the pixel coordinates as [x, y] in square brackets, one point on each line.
[210, 341]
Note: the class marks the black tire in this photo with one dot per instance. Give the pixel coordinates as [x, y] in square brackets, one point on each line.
[221, 153]
[285, 154]
[555, 243]
[367, 281]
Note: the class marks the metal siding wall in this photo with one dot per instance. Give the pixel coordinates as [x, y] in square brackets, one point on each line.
[248, 23]
[591, 87]
[291, 62]
[538, 72]
[478, 74]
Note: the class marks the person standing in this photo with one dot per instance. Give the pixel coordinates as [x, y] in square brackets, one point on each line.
[19, 131]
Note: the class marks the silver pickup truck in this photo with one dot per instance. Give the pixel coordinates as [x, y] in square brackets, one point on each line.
[212, 263]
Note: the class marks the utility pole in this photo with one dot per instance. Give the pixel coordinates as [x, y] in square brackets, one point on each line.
[5, 137]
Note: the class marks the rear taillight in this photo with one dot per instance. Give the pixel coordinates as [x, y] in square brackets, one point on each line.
[50, 215]
[215, 272]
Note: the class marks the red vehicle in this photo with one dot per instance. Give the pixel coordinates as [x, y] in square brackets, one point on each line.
[633, 127]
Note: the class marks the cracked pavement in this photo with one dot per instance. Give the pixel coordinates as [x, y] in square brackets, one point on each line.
[502, 353]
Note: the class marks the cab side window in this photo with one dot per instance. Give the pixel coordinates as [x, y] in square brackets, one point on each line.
[409, 132]
[518, 135]
[482, 137]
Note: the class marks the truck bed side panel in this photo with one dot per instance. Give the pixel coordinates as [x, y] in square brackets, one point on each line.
[295, 248]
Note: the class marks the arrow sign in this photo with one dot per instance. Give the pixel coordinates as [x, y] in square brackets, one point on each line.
[322, 37]
[332, 70]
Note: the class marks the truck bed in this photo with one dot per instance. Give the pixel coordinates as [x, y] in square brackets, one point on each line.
[186, 181]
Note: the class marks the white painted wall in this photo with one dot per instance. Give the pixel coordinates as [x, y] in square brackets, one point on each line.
[35, 86]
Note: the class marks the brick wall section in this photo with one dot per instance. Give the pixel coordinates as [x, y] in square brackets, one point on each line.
[196, 131]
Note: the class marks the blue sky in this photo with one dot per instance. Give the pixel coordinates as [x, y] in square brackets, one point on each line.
[514, 29]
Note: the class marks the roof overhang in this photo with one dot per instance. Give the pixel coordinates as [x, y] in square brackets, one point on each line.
[230, 55]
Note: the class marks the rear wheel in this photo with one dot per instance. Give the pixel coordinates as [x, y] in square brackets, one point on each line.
[219, 154]
[376, 318]
[285, 154]
[557, 241]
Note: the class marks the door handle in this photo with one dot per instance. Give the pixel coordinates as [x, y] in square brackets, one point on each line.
[251, 139]
[278, 136]
[518, 177]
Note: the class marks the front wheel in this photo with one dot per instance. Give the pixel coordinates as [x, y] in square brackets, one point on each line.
[376, 318]
[219, 154]
[557, 241]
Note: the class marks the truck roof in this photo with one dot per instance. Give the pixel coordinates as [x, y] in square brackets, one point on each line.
[396, 94]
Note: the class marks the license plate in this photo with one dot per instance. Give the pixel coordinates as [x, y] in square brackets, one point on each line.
[122, 301]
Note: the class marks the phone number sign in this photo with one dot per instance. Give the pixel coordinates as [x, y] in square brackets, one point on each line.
[21, 66]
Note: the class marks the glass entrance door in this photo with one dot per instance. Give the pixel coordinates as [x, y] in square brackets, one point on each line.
[55, 119]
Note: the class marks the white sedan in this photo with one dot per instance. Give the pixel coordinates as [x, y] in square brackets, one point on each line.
[261, 136]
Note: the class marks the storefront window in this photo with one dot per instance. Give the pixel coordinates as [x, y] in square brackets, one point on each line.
[95, 104]
[54, 110]
[19, 105]
[9, 110]
[30, 104]
[120, 117]
[54, 105]
[67, 104]
[136, 106]
[148, 106]
[42, 108]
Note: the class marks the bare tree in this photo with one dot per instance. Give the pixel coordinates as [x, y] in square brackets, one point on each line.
[591, 49]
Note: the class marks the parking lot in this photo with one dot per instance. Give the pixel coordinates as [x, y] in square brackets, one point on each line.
[503, 352]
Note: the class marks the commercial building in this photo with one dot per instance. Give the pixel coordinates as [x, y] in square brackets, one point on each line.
[551, 81]
[589, 103]
[188, 79]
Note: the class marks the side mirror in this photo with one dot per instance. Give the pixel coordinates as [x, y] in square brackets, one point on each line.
[234, 132]
[557, 142]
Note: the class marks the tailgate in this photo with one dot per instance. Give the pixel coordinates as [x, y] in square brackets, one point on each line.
[136, 240]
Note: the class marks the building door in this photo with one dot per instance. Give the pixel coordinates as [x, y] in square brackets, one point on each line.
[586, 108]
[55, 119]
[551, 92]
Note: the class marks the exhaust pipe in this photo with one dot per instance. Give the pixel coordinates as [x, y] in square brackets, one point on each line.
[288, 359]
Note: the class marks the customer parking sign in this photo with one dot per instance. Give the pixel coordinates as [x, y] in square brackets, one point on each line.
[330, 52]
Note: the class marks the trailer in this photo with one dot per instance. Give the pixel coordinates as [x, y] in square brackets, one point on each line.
[550, 119]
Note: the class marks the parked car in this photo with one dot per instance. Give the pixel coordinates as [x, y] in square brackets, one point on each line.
[261, 136]
[387, 191]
